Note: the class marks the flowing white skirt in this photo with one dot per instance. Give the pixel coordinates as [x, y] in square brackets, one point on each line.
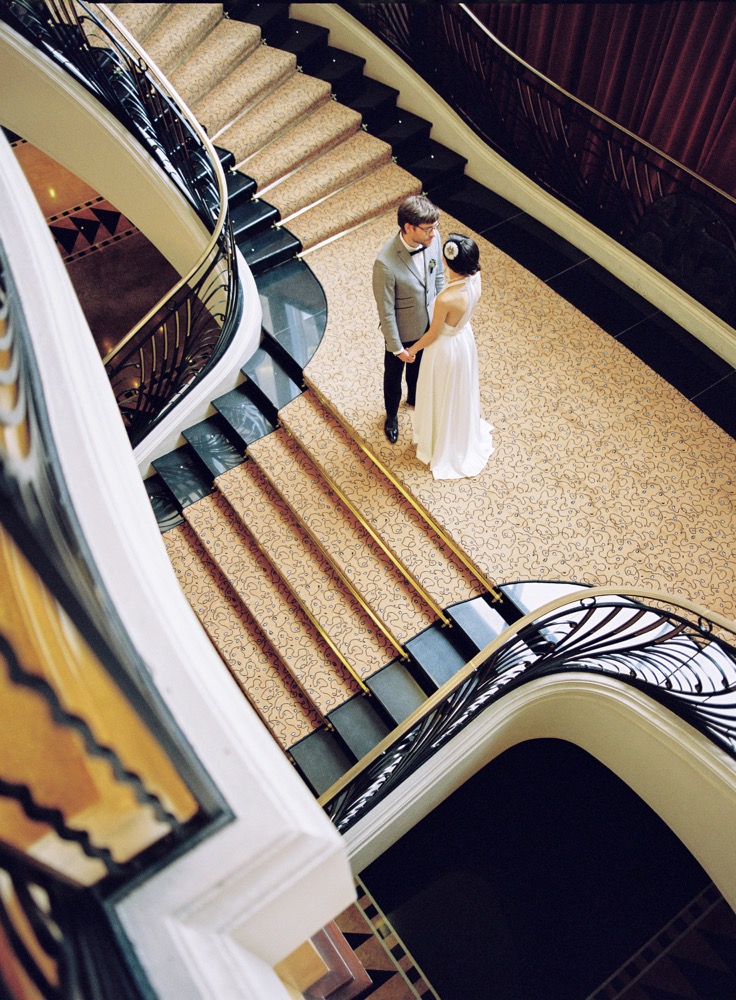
[449, 433]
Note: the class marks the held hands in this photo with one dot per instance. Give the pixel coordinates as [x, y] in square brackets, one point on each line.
[407, 357]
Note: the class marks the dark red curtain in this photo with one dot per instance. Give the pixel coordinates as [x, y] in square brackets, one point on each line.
[665, 71]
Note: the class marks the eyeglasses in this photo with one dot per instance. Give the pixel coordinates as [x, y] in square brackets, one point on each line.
[428, 229]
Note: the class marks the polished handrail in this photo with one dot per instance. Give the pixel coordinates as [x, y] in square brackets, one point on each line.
[681, 224]
[647, 639]
[183, 334]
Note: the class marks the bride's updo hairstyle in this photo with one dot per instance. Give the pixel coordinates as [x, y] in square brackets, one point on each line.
[461, 254]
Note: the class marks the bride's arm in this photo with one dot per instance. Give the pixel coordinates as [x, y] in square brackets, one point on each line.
[439, 315]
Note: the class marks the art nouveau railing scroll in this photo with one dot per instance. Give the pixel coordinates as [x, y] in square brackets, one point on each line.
[185, 333]
[672, 651]
[679, 223]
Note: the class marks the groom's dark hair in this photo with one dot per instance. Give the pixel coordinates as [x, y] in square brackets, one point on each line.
[417, 210]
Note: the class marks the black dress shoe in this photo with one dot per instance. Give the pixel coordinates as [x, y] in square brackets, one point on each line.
[391, 427]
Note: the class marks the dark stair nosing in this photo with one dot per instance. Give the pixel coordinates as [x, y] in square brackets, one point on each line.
[269, 248]
[271, 18]
[397, 691]
[268, 384]
[359, 724]
[308, 42]
[225, 157]
[436, 166]
[321, 759]
[246, 420]
[273, 346]
[375, 101]
[185, 475]
[166, 511]
[480, 622]
[240, 187]
[342, 70]
[212, 440]
[252, 217]
[405, 131]
[436, 655]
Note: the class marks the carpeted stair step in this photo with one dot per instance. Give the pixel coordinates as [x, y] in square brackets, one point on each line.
[334, 169]
[252, 217]
[214, 57]
[343, 71]
[308, 42]
[268, 384]
[297, 97]
[381, 190]
[294, 309]
[346, 626]
[141, 18]
[310, 661]
[185, 475]
[350, 550]
[272, 19]
[246, 421]
[378, 502]
[215, 444]
[329, 125]
[179, 32]
[243, 89]
[269, 248]
[259, 672]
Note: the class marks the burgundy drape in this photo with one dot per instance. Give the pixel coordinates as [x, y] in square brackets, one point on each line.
[665, 71]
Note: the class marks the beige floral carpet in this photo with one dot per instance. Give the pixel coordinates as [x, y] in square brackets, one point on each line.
[603, 473]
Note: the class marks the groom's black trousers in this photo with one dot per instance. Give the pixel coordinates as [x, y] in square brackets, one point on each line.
[393, 369]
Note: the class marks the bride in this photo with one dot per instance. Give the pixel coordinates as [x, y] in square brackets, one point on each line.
[449, 433]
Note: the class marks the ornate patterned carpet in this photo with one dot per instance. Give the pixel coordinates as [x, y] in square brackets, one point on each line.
[602, 474]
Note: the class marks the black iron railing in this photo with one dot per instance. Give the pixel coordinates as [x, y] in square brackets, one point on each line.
[672, 651]
[667, 215]
[184, 335]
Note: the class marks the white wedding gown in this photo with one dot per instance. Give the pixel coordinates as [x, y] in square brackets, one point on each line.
[449, 433]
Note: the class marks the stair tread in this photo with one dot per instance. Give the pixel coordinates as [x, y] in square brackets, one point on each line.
[184, 474]
[242, 414]
[141, 18]
[177, 33]
[346, 543]
[213, 446]
[261, 675]
[217, 55]
[291, 100]
[274, 609]
[310, 577]
[389, 513]
[359, 724]
[268, 248]
[252, 216]
[241, 89]
[328, 125]
[264, 371]
[322, 759]
[356, 156]
[382, 189]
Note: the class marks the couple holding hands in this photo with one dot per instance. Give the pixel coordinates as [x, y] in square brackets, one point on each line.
[426, 293]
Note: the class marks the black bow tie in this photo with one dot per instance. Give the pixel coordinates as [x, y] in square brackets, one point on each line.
[418, 250]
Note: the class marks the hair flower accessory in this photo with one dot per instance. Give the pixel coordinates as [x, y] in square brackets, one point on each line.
[451, 250]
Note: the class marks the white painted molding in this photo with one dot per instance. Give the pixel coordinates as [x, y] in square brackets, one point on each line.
[491, 170]
[212, 923]
[688, 781]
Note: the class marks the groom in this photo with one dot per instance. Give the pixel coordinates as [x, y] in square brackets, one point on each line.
[407, 276]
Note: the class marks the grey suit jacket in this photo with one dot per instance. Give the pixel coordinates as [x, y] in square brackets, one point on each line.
[403, 298]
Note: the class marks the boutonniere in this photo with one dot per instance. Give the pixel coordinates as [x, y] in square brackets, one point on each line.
[432, 265]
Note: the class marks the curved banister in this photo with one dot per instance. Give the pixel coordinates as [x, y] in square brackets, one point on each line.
[545, 642]
[659, 210]
[185, 333]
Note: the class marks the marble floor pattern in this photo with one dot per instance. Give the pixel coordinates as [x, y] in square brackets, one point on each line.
[602, 473]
